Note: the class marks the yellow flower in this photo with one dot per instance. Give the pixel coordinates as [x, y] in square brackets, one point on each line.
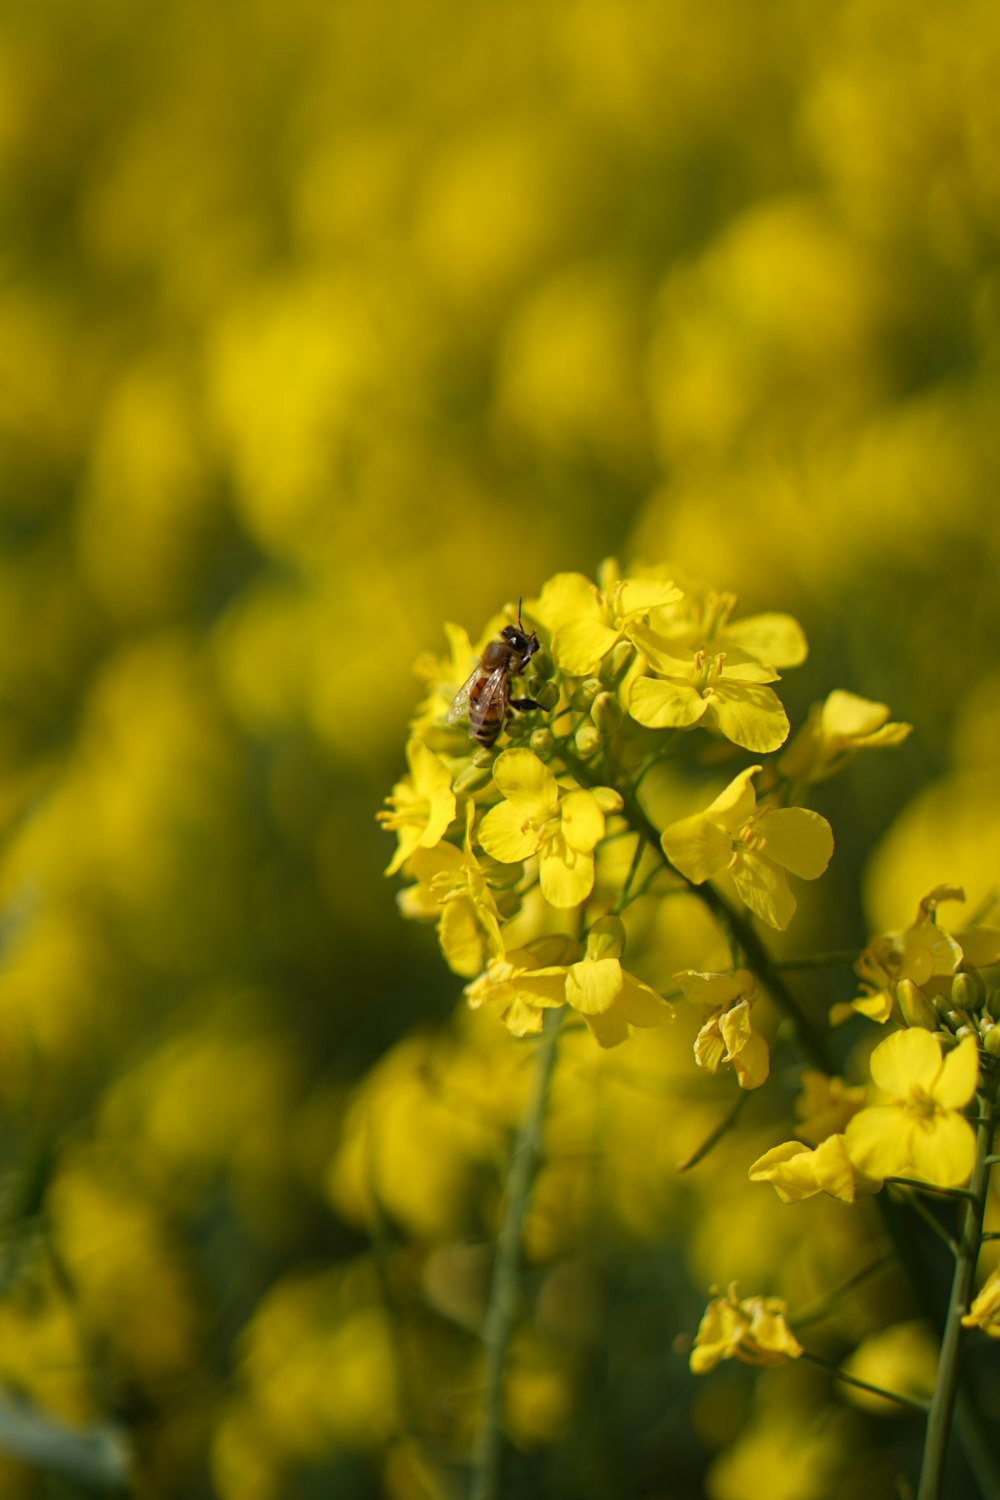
[795, 1172]
[510, 980]
[705, 688]
[539, 817]
[833, 734]
[925, 954]
[753, 1330]
[920, 1130]
[609, 999]
[587, 622]
[452, 886]
[755, 845]
[985, 1310]
[705, 623]
[727, 1036]
[421, 806]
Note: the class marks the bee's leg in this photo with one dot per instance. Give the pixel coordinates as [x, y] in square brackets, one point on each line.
[524, 704]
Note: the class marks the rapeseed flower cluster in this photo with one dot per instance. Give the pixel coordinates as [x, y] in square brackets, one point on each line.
[509, 843]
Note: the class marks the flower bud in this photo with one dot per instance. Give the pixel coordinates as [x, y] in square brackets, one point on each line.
[584, 694]
[991, 1041]
[915, 1006]
[606, 713]
[517, 728]
[606, 938]
[992, 1006]
[471, 778]
[542, 741]
[588, 740]
[546, 695]
[607, 799]
[968, 990]
[616, 663]
[542, 665]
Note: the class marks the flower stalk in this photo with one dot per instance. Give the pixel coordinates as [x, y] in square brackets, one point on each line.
[505, 1288]
[939, 1418]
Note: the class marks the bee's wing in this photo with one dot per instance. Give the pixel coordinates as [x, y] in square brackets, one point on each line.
[460, 703]
[494, 692]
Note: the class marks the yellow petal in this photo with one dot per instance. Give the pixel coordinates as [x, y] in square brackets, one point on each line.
[505, 837]
[789, 1170]
[837, 1175]
[567, 596]
[697, 848]
[753, 1062]
[846, 716]
[594, 985]
[763, 888]
[608, 1029]
[736, 804]
[943, 1150]
[906, 1060]
[579, 647]
[641, 1005]
[956, 1086]
[878, 1140]
[638, 595]
[582, 820]
[462, 939]
[660, 704]
[525, 779]
[566, 876]
[798, 839]
[709, 1048]
[775, 638]
[749, 715]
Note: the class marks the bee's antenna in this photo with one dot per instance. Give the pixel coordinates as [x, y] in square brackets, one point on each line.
[519, 603]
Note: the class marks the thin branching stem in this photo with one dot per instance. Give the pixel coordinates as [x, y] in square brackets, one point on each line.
[505, 1289]
[913, 1402]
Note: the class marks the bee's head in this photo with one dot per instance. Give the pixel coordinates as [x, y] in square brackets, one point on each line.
[521, 641]
[524, 642]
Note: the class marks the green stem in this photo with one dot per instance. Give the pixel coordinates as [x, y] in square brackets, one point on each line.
[864, 1385]
[505, 1290]
[970, 1238]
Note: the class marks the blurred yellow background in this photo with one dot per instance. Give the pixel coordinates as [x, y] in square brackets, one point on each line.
[322, 324]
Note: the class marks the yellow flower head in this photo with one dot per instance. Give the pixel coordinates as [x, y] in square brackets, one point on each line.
[920, 1129]
[512, 981]
[834, 733]
[421, 806]
[587, 622]
[756, 846]
[985, 1310]
[727, 1036]
[608, 997]
[753, 1330]
[539, 817]
[925, 955]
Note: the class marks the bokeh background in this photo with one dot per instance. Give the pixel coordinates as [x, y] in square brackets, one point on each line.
[321, 324]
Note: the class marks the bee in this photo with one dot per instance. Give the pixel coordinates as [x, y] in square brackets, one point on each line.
[486, 695]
